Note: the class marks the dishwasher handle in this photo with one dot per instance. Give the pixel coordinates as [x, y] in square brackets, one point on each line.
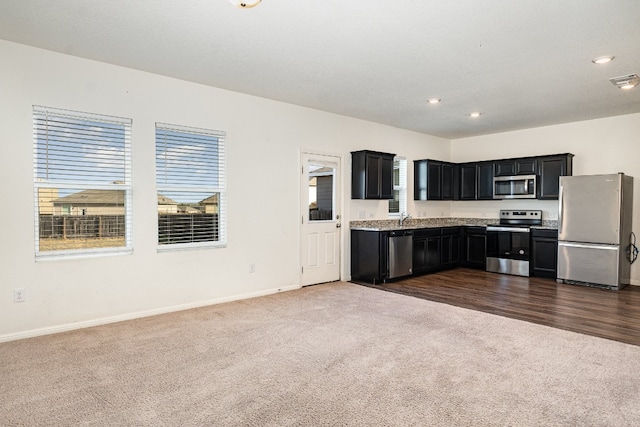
[399, 233]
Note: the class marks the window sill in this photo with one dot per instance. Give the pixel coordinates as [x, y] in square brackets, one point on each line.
[80, 255]
[190, 246]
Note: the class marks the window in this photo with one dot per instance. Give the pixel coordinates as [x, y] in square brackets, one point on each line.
[82, 182]
[399, 202]
[190, 180]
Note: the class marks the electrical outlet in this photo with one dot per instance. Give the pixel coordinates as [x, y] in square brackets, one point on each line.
[252, 268]
[18, 295]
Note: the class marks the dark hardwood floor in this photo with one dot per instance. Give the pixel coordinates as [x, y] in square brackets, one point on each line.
[602, 313]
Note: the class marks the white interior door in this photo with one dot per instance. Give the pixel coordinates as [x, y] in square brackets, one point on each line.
[320, 213]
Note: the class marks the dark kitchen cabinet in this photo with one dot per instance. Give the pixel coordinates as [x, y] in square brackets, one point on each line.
[371, 175]
[449, 181]
[544, 253]
[551, 169]
[369, 252]
[434, 180]
[474, 242]
[485, 180]
[436, 249]
[476, 181]
[426, 250]
[437, 180]
[510, 167]
[450, 247]
[468, 181]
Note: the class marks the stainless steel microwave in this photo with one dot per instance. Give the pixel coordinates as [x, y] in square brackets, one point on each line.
[514, 187]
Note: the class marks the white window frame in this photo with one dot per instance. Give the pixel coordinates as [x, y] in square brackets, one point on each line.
[123, 183]
[401, 188]
[196, 187]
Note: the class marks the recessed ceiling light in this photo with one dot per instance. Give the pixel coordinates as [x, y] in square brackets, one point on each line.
[603, 59]
[475, 114]
[434, 100]
[626, 82]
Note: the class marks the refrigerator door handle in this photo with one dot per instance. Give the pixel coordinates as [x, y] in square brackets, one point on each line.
[588, 246]
[560, 203]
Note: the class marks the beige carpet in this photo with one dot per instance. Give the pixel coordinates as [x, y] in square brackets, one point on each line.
[326, 355]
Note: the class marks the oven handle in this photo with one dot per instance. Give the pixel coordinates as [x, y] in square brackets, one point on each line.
[512, 229]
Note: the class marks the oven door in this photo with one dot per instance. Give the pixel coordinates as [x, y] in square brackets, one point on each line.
[508, 243]
[508, 250]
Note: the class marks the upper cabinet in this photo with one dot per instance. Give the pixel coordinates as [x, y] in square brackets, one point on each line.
[551, 169]
[438, 180]
[434, 180]
[371, 175]
[510, 167]
[468, 181]
[485, 180]
[476, 180]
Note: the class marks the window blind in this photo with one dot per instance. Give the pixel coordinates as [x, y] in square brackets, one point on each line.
[399, 202]
[190, 179]
[82, 182]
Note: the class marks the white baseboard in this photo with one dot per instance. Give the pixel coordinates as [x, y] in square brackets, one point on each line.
[136, 315]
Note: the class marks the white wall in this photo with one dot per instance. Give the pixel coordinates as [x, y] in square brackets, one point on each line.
[600, 146]
[264, 143]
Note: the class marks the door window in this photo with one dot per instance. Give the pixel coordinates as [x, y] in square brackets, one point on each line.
[321, 192]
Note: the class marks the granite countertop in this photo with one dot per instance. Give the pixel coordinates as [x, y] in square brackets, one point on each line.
[416, 223]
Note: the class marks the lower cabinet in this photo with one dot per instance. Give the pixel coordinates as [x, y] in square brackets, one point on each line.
[544, 253]
[450, 247]
[474, 252]
[435, 249]
[369, 252]
[426, 250]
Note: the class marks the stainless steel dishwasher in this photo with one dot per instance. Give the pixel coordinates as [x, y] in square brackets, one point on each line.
[400, 261]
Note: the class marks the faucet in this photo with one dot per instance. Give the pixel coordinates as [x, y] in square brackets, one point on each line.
[403, 217]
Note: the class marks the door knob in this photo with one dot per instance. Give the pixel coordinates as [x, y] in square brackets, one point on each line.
[338, 225]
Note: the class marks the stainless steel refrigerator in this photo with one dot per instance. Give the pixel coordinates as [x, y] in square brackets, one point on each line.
[594, 228]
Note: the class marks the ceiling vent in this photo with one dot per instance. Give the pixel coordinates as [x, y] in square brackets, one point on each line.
[626, 82]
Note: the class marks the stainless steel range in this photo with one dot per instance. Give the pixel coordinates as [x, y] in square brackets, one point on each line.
[508, 241]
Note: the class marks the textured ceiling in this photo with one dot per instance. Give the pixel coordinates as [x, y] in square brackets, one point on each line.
[521, 63]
